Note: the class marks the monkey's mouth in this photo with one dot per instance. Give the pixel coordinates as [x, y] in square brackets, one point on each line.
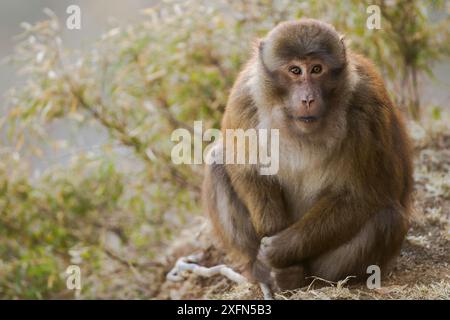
[306, 119]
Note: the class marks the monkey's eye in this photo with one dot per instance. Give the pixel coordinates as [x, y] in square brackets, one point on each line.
[295, 70]
[317, 69]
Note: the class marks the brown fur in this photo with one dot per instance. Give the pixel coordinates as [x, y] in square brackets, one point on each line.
[341, 200]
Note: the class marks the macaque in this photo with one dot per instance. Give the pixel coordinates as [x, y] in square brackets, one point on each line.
[341, 198]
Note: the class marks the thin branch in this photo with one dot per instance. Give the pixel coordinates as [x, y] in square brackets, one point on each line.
[161, 103]
[267, 293]
[121, 131]
[190, 263]
[133, 142]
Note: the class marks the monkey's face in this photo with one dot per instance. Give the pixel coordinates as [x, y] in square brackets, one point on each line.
[304, 63]
[304, 104]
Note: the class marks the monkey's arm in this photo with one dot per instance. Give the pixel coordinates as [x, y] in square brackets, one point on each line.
[263, 197]
[333, 220]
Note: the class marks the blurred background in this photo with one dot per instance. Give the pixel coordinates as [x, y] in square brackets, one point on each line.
[86, 119]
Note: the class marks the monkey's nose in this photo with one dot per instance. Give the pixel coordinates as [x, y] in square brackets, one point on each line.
[308, 102]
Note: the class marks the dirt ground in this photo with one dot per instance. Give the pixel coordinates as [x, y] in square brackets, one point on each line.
[422, 270]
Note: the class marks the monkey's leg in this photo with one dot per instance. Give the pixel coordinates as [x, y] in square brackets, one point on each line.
[333, 221]
[244, 207]
[231, 220]
[377, 243]
[263, 198]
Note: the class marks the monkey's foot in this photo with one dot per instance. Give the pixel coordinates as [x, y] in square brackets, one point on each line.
[289, 278]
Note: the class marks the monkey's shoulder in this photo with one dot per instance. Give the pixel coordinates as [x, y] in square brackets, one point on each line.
[370, 89]
[241, 110]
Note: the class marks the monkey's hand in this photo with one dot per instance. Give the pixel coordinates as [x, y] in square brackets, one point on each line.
[283, 278]
[268, 252]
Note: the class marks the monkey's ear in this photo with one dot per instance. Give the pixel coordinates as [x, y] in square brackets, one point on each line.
[261, 44]
[342, 41]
